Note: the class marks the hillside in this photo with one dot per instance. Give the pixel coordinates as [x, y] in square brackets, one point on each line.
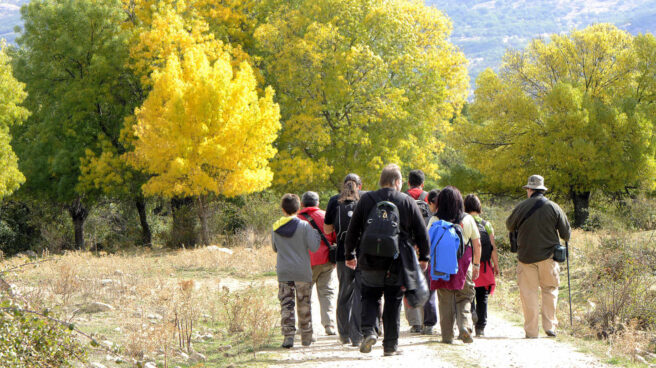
[484, 29]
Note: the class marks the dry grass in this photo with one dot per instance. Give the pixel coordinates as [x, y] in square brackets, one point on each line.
[163, 301]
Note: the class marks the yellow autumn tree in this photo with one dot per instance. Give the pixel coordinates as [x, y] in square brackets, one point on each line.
[204, 130]
[12, 93]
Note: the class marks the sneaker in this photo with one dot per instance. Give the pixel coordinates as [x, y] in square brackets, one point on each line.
[428, 330]
[330, 331]
[466, 337]
[551, 333]
[480, 332]
[344, 340]
[415, 329]
[392, 352]
[288, 342]
[356, 343]
[367, 344]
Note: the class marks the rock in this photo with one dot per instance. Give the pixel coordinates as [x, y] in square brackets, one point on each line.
[225, 348]
[28, 254]
[150, 365]
[197, 357]
[117, 329]
[154, 316]
[96, 307]
[207, 337]
[108, 344]
[184, 356]
[214, 248]
[96, 365]
[642, 360]
[107, 282]
[118, 273]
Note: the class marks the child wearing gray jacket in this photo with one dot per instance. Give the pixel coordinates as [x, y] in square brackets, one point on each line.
[293, 239]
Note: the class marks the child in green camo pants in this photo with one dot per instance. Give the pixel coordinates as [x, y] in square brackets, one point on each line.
[292, 239]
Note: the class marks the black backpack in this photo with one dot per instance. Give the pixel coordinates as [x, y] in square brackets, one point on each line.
[486, 243]
[423, 207]
[381, 234]
[343, 219]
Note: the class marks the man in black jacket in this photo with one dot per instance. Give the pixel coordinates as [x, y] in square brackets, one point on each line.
[385, 278]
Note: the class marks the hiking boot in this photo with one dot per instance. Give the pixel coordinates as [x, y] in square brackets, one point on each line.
[550, 333]
[288, 342]
[392, 352]
[307, 340]
[466, 337]
[356, 343]
[367, 344]
[428, 330]
[480, 332]
[344, 340]
[330, 331]
[415, 329]
[447, 341]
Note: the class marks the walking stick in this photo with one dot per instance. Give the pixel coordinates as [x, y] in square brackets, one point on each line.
[569, 285]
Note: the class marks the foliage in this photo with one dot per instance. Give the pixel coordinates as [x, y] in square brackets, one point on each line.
[12, 94]
[27, 341]
[18, 231]
[360, 84]
[578, 110]
[202, 131]
[624, 266]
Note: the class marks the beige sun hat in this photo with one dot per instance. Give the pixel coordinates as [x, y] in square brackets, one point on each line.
[535, 182]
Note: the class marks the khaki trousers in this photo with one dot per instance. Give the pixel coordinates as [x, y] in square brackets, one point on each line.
[322, 277]
[543, 275]
[455, 307]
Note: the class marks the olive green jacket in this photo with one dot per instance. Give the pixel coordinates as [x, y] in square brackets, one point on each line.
[538, 235]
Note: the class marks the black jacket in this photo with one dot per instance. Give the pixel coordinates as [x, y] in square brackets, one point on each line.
[412, 228]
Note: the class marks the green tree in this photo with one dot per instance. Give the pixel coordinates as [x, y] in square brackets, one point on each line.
[578, 109]
[12, 94]
[360, 83]
[73, 58]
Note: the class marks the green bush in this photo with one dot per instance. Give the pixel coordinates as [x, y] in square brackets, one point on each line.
[28, 341]
[620, 283]
[17, 229]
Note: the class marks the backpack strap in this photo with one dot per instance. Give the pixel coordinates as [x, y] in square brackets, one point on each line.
[423, 196]
[316, 227]
[535, 207]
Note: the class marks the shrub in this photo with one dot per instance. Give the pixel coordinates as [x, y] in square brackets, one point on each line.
[620, 284]
[28, 341]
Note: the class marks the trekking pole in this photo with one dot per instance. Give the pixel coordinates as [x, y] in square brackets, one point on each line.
[569, 285]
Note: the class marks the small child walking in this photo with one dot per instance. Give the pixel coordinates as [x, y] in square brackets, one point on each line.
[292, 239]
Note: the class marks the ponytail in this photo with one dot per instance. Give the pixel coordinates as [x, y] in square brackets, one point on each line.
[349, 192]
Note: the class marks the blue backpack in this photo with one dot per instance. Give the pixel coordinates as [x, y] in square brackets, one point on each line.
[446, 248]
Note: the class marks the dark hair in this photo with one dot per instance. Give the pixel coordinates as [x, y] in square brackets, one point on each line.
[354, 178]
[416, 178]
[290, 203]
[389, 175]
[432, 196]
[349, 192]
[472, 204]
[310, 199]
[449, 204]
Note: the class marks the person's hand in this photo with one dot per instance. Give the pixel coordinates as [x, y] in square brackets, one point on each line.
[476, 271]
[496, 270]
[423, 265]
[352, 263]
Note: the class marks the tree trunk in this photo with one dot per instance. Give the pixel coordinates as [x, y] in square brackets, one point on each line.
[146, 235]
[202, 215]
[183, 231]
[581, 201]
[79, 214]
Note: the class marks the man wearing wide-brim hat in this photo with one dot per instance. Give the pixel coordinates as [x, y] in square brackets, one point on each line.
[539, 222]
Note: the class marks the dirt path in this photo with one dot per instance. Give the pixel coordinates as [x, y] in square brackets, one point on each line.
[505, 346]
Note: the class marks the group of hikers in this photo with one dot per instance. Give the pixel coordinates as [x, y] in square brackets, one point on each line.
[430, 251]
